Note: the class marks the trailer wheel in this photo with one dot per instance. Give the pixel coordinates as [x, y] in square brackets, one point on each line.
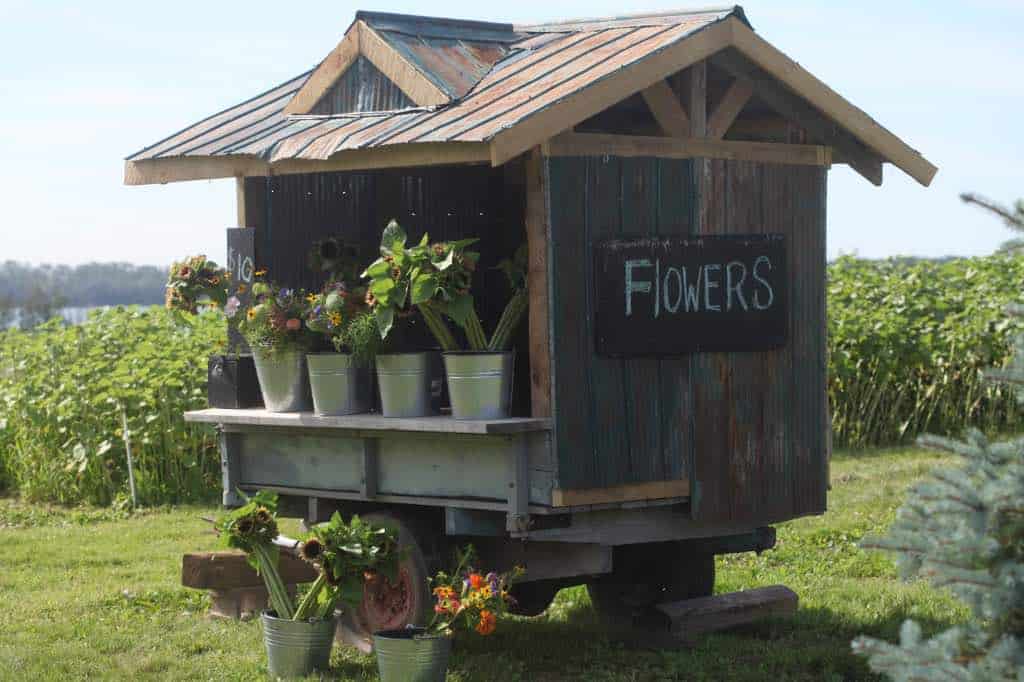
[390, 606]
[645, 575]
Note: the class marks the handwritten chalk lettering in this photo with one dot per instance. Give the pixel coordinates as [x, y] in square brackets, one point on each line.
[673, 295]
[705, 294]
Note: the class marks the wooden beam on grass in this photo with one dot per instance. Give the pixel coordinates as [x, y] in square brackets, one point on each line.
[732, 102]
[710, 614]
[668, 111]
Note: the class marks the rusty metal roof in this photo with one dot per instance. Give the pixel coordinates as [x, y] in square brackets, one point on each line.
[497, 74]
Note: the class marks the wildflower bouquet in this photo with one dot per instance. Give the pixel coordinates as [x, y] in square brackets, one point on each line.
[194, 282]
[273, 321]
[436, 279]
[470, 599]
[339, 314]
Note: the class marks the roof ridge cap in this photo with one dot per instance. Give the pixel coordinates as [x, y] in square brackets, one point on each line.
[710, 9]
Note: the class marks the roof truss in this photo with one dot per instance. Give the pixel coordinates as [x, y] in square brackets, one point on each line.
[361, 39]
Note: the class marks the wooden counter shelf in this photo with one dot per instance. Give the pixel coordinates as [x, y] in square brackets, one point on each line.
[369, 422]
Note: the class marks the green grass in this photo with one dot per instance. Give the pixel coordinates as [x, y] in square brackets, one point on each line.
[95, 594]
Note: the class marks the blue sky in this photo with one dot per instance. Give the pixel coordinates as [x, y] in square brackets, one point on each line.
[82, 85]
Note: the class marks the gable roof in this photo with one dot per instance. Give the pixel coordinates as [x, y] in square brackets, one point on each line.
[543, 79]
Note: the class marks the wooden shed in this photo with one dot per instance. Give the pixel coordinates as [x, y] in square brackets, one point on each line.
[669, 175]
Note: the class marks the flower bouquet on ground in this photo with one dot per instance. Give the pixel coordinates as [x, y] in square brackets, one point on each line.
[466, 599]
[340, 381]
[299, 636]
[273, 327]
[436, 279]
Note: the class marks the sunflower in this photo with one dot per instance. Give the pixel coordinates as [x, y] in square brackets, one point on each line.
[311, 550]
[250, 314]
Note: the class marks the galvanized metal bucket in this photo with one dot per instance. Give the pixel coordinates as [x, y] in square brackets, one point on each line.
[338, 386]
[404, 380]
[411, 655]
[297, 648]
[284, 381]
[479, 384]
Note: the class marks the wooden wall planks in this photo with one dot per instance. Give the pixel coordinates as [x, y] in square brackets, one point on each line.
[747, 429]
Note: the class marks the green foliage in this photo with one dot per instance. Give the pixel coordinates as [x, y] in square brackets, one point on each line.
[339, 314]
[62, 390]
[908, 341]
[436, 279]
[273, 322]
[347, 556]
[91, 284]
[963, 529]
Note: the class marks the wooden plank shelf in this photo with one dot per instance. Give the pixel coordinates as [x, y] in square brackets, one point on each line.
[369, 422]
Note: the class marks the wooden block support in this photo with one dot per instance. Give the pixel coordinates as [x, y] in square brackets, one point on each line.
[709, 614]
[235, 587]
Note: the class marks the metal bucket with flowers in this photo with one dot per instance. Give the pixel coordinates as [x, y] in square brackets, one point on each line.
[340, 380]
[465, 599]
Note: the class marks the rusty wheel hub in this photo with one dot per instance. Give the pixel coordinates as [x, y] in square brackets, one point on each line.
[388, 605]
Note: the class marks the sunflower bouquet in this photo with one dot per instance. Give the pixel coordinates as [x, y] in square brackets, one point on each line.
[196, 282]
[345, 555]
[469, 598]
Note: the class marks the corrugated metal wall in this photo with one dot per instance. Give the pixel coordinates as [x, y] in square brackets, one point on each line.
[291, 212]
[749, 429]
[362, 88]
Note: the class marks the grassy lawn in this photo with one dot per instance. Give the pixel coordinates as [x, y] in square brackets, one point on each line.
[94, 594]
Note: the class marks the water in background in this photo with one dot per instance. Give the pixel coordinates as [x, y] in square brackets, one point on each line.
[71, 314]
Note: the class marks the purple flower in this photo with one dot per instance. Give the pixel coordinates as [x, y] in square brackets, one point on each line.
[316, 310]
[283, 296]
[231, 307]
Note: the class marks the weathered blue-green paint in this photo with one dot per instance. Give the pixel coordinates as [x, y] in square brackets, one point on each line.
[748, 429]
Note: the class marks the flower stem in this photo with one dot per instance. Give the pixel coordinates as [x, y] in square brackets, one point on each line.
[279, 599]
[308, 606]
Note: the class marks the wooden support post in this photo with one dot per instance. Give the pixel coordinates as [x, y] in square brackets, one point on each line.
[538, 239]
[667, 109]
[368, 486]
[698, 99]
[519, 487]
[241, 220]
[230, 469]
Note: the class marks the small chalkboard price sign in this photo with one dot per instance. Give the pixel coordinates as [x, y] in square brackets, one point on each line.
[671, 296]
[241, 263]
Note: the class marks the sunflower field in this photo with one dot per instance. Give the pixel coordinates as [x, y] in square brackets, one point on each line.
[908, 340]
[65, 391]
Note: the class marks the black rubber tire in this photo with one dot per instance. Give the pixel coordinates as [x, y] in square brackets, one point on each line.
[417, 546]
[649, 574]
[534, 598]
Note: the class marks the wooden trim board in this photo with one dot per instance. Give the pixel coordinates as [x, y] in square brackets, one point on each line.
[604, 93]
[802, 82]
[180, 169]
[733, 101]
[398, 69]
[327, 74]
[600, 144]
[653, 490]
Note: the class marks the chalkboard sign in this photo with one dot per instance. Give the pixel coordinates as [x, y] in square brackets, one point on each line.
[669, 296]
[241, 263]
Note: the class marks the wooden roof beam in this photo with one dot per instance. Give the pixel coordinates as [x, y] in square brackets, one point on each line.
[871, 135]
[793, 107]
[732, 102]
[326, 74]
[668, 111]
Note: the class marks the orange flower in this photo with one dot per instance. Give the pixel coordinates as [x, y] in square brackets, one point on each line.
[444, 592]
[488, 621]
[476, 580]
[293, 324]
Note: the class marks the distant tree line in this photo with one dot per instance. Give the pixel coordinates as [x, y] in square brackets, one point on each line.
[38, 292]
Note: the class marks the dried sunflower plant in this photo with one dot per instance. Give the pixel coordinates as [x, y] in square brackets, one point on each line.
[345, 556]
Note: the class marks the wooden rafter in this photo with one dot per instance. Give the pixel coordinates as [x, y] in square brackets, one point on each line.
[863, 127]
[667, 109]
[732, 102]
[796, 109]
[326, 75]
